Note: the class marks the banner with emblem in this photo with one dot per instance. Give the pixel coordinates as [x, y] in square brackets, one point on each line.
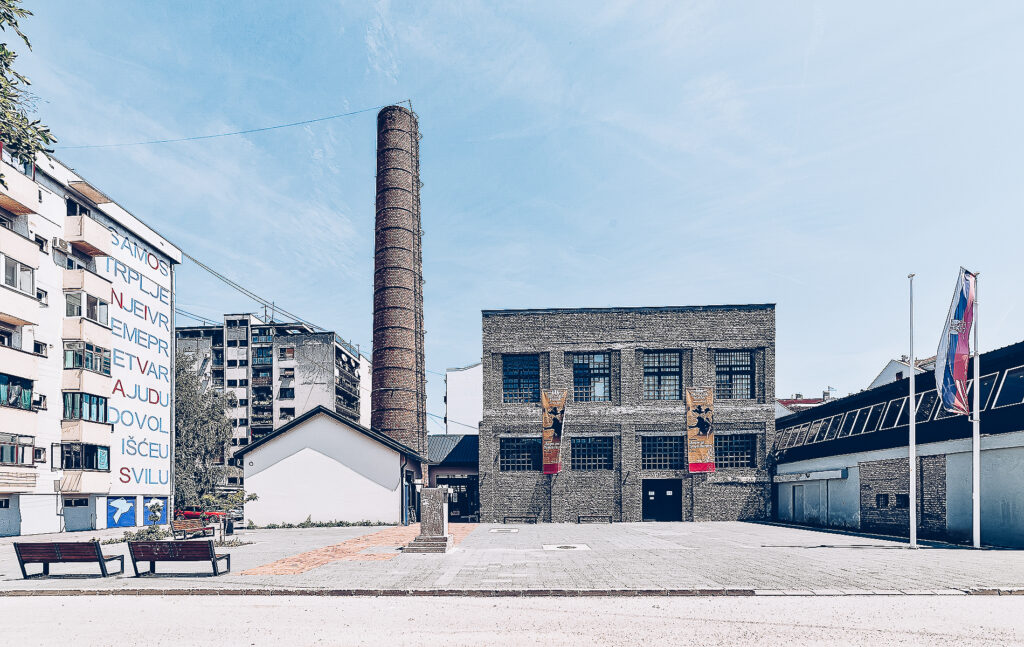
[700, 437]
[552, 403]
[954, 352]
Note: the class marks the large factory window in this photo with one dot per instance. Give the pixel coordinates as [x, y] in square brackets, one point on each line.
[519, 454]
[591, 377]
[734, 374]
[662, 452]
[737, 450]
[591, 453]
[520, 378]
[663, 375]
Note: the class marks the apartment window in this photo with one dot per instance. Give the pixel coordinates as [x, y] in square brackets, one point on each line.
[234, 442]
[80, 502]
[15, 392]
[80, 354]
[6, 337]
[287, 413]
[232, 382]
[18, 276]
[288, 373]
[16, 449]
[286, 352]
[39, 348]
[42, 296]
[243, 441]
[243, 363]
[591, 377]
[76, 209]
[83, 456]
[244, 382]
[520, 378]
[735, 450]
[5, 503]
[242, 422]
[232, 480]
[591, 453]
[85, 406]
[881, 500]
[232, 363]
[662, 453]
[42, 244]
[81, 304]
[243, 402]
[39, 454]
[902, 501]
[243, 343]
[287, 394]
[519, 454]
[232, 343]
[734, 374]
[663, 375]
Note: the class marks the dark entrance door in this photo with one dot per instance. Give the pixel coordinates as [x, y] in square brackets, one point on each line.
[464, 500]
[662, 499]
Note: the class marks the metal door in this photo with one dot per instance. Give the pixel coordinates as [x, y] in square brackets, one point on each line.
[798, 503]
[662, 499]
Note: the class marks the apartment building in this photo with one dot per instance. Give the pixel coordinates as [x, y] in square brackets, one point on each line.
[86, 362]
[625, 442]
[276, 372]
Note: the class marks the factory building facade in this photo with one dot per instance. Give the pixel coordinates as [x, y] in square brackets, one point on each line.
[86, 361]
[624, 444]
[845, 463]
[276, 373]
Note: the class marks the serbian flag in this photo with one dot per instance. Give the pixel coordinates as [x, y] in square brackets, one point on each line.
[954, 352]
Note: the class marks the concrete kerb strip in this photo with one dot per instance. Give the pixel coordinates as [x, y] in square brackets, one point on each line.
[505, 593]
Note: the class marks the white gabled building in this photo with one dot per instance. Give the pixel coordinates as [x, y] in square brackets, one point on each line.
[86, 357]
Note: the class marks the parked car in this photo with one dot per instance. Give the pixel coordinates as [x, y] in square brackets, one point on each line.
[196, 512]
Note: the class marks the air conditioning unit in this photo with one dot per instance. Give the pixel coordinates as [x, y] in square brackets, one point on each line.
[61, 244]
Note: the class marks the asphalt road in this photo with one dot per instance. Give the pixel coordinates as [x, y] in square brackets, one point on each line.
[297, 621]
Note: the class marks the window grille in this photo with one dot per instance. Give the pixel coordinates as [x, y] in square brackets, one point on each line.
[520, 378]
[663, 452]
[591, 377]
[739, 450]
[519, 454]
[734, 374]
[663, 375]
[591, 453]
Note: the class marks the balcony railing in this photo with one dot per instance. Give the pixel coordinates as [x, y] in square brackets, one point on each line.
[262, 381]
[262, 360]
[262, 339]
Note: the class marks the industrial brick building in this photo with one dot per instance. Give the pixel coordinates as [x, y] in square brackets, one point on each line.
[624, 442]
[845, 463]
[276, 372]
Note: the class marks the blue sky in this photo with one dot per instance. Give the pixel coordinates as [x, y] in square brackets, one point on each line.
[805, 154]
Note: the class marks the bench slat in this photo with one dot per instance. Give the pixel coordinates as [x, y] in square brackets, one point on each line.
[171, 551]
[84, 551]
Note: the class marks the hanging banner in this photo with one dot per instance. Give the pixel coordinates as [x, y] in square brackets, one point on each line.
[553, 406]
[955, 347]
[700, 439]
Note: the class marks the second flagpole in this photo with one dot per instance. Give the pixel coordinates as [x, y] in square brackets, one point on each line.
[912, 503]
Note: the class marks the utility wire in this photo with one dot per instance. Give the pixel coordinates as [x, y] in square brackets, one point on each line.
[236, 132]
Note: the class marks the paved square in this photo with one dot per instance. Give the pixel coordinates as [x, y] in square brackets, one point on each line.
[699, 557]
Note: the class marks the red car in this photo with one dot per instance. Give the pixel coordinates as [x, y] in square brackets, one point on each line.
[195, 512]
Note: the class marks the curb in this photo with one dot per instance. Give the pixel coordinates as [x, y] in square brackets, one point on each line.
[507, 593]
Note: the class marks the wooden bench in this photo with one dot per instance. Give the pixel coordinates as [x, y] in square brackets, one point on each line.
[186, 527]
[63, 552]
[175, 551]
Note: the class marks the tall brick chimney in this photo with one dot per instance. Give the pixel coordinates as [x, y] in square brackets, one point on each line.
[398, 398]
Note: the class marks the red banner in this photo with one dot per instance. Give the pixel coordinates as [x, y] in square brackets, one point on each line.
[553, 405]
[700, 438]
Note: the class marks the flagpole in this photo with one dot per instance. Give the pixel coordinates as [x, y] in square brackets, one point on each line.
[976, 429]
[913, 426]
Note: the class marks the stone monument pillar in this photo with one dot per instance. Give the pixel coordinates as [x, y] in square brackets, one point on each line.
[434, 537]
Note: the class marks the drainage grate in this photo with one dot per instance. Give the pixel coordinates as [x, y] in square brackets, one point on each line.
[566, 547]
[504, 529]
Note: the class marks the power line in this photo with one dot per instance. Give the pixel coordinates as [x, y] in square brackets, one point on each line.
[236, 132]
[454, 422]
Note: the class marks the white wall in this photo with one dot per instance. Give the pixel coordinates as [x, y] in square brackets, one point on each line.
[465, 393]
[1002, 496]
[365, 387]
[325, 470]
[38, 514]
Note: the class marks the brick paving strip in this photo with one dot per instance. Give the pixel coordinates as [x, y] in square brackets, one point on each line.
[353, 549]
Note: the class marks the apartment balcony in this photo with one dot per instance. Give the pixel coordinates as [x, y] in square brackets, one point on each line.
[18, 247]
[18, 308]
[21, 194]
[345, 386]
[87, 235]
[85, 431]
[262, 361]
[82, 329]
[218, 382]
[85, 482]
[19, 363]
[262, 381]
[90, 282]
[17, 478]
[262, 339]
[261, 419]
[79, 379]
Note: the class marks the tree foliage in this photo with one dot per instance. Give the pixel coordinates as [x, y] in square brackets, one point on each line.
[21, 135]
[202, 432]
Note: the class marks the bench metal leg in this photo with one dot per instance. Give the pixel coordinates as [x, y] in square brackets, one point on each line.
[46, 569]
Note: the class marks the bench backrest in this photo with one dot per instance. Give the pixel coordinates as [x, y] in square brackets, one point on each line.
[171, 551]
[59, 551]
[187, 524]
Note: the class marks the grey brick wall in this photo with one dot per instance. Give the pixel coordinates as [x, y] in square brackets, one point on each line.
[892, 477]
[625, 333]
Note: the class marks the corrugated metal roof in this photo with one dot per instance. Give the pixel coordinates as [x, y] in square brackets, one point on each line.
[453, 448]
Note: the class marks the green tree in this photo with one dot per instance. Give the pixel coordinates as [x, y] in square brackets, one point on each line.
[202, 432]
[21, 135]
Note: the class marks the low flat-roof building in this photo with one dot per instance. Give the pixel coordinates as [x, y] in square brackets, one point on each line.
[454, 464]
[845, 463]
[624, 443]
